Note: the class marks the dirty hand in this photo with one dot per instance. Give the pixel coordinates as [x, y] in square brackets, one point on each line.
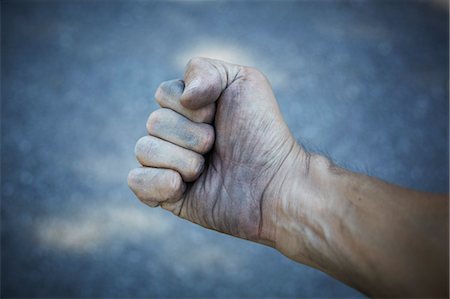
[217, 150]
[246, 176]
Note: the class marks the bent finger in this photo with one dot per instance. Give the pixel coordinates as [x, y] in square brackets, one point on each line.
[168, 96]
[172, 126]
[154, 152]
[155, 185]
[205, 80]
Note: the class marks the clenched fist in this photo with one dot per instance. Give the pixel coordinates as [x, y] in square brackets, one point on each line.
[216, 149]
[219, 154]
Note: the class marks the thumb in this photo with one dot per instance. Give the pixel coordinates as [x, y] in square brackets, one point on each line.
[204, 79]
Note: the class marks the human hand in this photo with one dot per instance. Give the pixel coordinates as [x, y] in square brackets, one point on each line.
[255, 182]
[232, 189]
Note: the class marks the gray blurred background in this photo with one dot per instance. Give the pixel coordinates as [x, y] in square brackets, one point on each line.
[365, 82]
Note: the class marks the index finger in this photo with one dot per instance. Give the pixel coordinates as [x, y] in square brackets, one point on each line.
[168, 96]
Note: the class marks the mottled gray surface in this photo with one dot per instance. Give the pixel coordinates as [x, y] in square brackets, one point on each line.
[364, 82]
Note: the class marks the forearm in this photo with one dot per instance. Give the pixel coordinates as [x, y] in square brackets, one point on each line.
[379, 238]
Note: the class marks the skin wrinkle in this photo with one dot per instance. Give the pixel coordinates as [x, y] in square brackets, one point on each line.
[230, 225]
[175, 128]
[152, 151]
[223, 84]
[237, 153]
[211, 91]
[207, 139]
[149, 178]
[307, 163]
[205, 216]
[261, 187]
[228, 83]
[168, 96]
[260, 226]
[231, 201]
[284, 213]
[215, 225]
[216, 199]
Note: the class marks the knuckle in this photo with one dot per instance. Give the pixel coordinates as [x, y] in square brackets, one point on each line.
[175, 183]
[145, 146]
[210, 113]
[137, 179]
[197, 163]
[167, 90]
[159, 94]
[195, 61]
[208, 139]
[133, 179]
[153, 120]
[254, 73]
[204, 114]
[140, 145]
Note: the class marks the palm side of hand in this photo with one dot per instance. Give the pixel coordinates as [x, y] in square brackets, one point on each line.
[251, 144]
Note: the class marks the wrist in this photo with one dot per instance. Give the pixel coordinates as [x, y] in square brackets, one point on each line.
[357, 228]
[300, 231]
[283, 203]
[308, 210]
[317, 223]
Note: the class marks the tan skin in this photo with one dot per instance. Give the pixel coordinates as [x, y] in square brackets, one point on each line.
[219, 154]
